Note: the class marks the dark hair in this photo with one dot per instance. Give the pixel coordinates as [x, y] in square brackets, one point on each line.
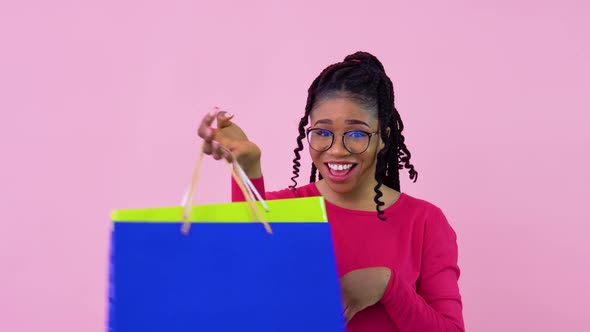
[361, 77]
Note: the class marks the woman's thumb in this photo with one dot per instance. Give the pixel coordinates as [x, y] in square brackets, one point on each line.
[224, 119]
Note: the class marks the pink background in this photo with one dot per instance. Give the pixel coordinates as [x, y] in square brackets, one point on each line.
[99, 103]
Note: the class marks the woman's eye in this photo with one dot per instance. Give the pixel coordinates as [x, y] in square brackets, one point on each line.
[323, 133]
[356, 134]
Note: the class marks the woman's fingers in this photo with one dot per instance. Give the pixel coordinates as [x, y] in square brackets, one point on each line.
[227, 155]
[224, 119]
[205, 131]
[207, 147]
[215, 139]
[348, 314]
[217, 151]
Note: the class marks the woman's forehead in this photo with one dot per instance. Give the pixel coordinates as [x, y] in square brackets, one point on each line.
[341, 110]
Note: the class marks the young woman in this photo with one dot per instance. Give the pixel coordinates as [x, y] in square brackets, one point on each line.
[396, 254]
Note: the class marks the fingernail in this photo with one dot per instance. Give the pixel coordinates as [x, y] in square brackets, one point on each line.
[229, 115]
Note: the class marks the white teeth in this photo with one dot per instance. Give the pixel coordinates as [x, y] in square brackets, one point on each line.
[340, 167]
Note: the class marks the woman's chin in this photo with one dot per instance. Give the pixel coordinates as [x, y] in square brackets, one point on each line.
[341, 188]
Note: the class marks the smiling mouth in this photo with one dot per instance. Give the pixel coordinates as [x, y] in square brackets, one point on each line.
[340, 169]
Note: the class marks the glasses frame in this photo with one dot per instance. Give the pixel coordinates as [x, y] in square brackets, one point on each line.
[309, 130]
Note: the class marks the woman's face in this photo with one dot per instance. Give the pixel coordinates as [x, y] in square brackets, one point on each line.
[343, 171]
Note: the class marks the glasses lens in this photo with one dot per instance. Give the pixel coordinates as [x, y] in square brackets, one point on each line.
[356, 141]
[320, 139]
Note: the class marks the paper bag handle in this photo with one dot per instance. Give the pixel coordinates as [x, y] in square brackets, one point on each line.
[187, 208]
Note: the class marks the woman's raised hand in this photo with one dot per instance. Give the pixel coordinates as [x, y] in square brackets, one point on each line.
[229, 141]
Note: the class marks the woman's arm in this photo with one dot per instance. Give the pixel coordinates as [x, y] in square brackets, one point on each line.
[435, 305]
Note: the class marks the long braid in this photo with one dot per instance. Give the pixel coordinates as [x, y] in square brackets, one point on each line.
[402, 150]
[314, 171]
[384, 156]
[296, 164]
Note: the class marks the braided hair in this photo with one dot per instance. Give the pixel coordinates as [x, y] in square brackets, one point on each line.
[361, 77]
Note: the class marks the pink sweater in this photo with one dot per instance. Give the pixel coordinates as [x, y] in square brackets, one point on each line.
[416, 242]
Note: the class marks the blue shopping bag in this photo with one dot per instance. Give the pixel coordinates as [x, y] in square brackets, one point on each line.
[227, 273]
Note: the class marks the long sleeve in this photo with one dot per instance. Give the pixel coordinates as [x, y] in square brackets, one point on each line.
[236, 192]
[238, 196]
[435, 305]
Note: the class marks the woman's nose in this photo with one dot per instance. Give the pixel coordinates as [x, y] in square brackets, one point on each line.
[338, 149]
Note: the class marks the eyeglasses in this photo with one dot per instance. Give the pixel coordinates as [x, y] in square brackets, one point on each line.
[354, 141]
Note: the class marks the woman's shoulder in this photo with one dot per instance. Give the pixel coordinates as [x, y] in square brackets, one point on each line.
[424, 212]
[413, 202]
[417, 209]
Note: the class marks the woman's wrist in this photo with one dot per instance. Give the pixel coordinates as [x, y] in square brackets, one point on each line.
[250, 162]
[253, 171]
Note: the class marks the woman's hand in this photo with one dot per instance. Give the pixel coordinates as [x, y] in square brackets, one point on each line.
[229, 137]
[362, 288]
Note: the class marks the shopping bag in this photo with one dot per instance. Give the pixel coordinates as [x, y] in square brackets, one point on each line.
[227, 273]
